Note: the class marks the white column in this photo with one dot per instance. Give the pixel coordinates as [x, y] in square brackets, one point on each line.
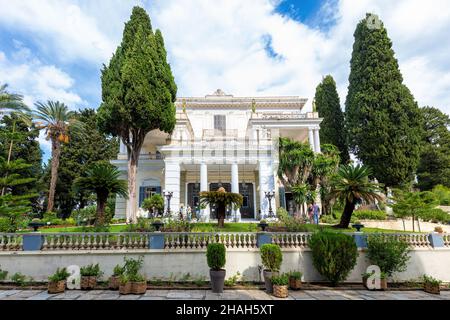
[311, 138]
[235, 187]
[316, 141]
[204, 187]
[172, 183]
[266, 183]
[123, 148]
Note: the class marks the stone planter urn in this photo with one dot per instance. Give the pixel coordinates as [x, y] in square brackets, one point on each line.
[217, 280]
[268, 279]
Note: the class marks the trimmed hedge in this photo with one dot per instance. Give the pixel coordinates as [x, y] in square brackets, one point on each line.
[215, 255]
[271, 256]
[369, 215]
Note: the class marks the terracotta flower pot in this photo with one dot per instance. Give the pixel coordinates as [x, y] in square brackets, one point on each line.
[268, 280]
[217, 280]
[432, 288]
[280, 291]
[88, 282]
[114, 282]
[56, 286]
[138, 287]
[295, 284]
[125, 288]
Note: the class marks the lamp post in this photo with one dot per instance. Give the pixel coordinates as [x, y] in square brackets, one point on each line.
[168, 195]
[269, 196]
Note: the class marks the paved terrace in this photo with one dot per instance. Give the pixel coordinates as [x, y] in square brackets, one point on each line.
[227, 295]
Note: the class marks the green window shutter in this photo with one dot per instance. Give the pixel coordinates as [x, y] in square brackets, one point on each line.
[282, 197]
[141, 195]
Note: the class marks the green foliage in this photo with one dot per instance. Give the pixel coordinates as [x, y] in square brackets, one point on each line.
[434, 166]
[142, 225]
[328, 105]
[281, 280]
[130, 271]
[84, 149]
[91, 270]
[227, 198]
[118, 270]
[231, 281]
[443, 194]
[431, 280]
[59, 275]
[156, 201]
[382, 119]
[389, 253]
[3, 274]
[19, 279]
[297, 275]
[369, 215]
[215, 256]
[334, 254]
[351, 185]
[271, 257]
[103, 180]
[281, 212]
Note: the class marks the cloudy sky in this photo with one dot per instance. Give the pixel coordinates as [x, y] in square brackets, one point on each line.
[54, 49]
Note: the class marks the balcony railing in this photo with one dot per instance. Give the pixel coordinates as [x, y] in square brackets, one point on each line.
[284, 115]
[230, 133]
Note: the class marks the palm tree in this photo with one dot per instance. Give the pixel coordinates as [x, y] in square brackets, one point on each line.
[56, 119]
[351, 185]
[103, 180]
[221, 199]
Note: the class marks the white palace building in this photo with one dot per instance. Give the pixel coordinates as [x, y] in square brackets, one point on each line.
[222, 140]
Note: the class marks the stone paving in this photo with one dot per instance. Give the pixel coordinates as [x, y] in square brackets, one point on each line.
[227, 295]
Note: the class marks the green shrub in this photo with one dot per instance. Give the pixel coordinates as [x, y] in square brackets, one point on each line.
[3, 274]
[435, 215]
[59, 275]
[118, 270]
[282, 213]
[281, 280]
[328, 218]
[271, 256]
[231, 281]
[369, 215]
[132, 266]
[443, 194]
[215, 256]
[388, 253]
[91, 271]
[155, 201]
[431, 280]
[19, 279]
[334, 254]
[297, 275]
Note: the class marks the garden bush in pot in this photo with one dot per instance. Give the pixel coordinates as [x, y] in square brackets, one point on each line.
[272, 258]
[131, 281]
[295, 280]
[57, 281]
[280, 285]
[215, 256]
[114, 280]
[89, 276]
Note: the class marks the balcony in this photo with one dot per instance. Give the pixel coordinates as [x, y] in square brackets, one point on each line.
[210, 133]
[284, 115]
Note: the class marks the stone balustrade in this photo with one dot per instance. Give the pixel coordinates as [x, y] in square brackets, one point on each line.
[189, 240]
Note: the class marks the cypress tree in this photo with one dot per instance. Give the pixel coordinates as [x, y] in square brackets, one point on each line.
[328, 105]
[138, 93]
[382, 119]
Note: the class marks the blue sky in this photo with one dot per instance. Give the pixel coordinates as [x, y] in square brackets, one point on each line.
[54, 49]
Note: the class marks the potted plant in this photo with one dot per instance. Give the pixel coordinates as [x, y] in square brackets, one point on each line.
[215, 256]
[137, 282]
[263, 224]
[431, 285]
[35, 224]
[125, 284]
[57, 281]
[358, 226]
[157, 223]
[271, 257]
[280, 286]
[114, 280]
[89, 276]
[295, 280]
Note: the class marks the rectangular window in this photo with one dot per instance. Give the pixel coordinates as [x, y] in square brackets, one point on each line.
[220, 123]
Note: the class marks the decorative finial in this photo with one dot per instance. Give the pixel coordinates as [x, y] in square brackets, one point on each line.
[219, 92]
[183, 105]
[253, 106]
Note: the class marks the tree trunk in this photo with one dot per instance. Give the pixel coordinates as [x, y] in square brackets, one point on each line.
[132, 171]
[413, 223]
[221, 215]
[9, 155]
[101, 205]
[56, 151]
[346, 215]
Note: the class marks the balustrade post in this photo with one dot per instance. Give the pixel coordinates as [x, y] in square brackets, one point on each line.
[436, 240]
[263, 238]
[156, 241]
[33, 241]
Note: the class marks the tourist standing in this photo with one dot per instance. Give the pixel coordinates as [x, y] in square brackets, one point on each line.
[316, 212]
[310, 212]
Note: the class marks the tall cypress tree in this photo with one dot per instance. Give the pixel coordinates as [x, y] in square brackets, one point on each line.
[382, 119]
[328, 105]
[138, 93]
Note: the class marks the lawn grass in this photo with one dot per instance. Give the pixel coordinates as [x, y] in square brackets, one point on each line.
[229, 227]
